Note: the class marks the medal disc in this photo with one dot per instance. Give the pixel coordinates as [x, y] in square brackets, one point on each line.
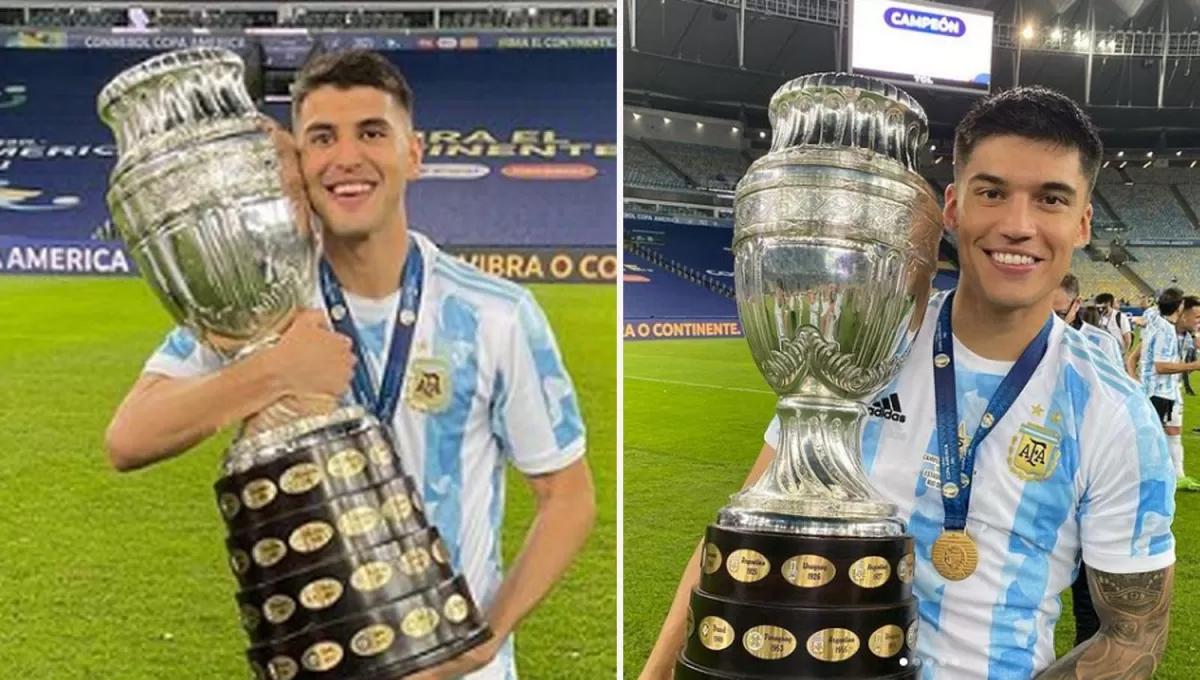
[954, 555]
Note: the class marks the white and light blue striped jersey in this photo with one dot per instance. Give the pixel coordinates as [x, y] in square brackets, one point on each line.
[1079, 464]
[1104, 340]
[1160, 342]
[510, 399]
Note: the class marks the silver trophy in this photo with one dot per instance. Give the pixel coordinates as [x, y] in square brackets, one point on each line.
[340, 575]
[807, 572]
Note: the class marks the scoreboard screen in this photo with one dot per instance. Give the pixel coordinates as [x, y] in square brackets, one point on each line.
[922, 44]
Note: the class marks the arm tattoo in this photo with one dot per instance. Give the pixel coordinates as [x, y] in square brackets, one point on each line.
[1134, 611]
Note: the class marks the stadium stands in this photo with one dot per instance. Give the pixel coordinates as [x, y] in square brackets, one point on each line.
[1101, 277]
[707, 167]
[643, 169]
[1163, 267]
[1149, 211]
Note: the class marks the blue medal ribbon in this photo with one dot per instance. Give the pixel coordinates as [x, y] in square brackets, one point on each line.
[956, 477]
[383, 404]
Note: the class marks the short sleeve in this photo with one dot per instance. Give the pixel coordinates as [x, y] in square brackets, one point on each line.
[535, 411]
[1123, 323]
[182, 356]
[1128, 503]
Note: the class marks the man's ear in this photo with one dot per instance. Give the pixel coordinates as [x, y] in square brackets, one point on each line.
[949, 210]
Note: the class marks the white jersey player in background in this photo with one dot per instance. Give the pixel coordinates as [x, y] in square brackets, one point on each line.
[1077, 465]
[1161, 368]
[484, 385]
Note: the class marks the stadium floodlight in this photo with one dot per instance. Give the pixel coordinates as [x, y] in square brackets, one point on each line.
[1120, 153]
[1028, 32]
[1056, 34]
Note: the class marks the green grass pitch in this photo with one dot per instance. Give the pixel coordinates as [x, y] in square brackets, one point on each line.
[695, 411]
[124, 577]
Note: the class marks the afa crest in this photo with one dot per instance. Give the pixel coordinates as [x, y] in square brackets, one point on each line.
[428, 385]
[1034, 453]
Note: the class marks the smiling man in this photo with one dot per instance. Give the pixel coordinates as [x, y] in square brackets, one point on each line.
[461, 364]
[1055, 453]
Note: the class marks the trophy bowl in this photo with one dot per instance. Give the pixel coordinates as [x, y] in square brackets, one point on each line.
[199, 200]
[340, 575]
[807, 573]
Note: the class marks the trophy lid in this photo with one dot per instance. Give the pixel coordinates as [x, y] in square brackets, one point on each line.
[845, 110]
[172, 90]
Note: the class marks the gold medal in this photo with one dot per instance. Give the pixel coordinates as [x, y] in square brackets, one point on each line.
[954, 555]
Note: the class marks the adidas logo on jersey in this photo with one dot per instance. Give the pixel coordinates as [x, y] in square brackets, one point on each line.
[888, 407]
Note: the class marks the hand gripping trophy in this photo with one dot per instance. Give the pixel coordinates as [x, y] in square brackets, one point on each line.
[808, 573]
[340, 575]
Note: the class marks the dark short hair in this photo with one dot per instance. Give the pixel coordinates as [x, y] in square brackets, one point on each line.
[1190, 301]
[1169, 301]
[1106, 299]
[1070, 284]
[1033, 112]
[1090, 314]
[347, 69]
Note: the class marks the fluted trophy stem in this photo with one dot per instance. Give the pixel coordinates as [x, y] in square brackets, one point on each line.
[815, 474]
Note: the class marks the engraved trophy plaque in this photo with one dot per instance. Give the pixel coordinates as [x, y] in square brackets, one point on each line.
[808, 573]
[340, 575]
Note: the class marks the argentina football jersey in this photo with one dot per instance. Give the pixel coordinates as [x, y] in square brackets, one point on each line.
[1077, 465]
[1160, 342]
[1102, 339]
[485, 386]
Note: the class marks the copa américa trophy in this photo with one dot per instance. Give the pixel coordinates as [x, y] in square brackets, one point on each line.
[807, 573]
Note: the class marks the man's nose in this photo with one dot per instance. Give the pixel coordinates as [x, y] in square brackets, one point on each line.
[1019, 220]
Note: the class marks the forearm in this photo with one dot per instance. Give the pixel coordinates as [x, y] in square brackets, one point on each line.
[173, 415]
[558, 533]
[1134, 611]
[661, 663]
[1172, 367]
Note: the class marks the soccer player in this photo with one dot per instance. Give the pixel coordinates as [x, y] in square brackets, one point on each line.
[1161, 367]
[495, 390]
[1077, 463]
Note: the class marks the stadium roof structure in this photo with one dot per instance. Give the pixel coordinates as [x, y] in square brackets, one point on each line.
[1135, 63]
